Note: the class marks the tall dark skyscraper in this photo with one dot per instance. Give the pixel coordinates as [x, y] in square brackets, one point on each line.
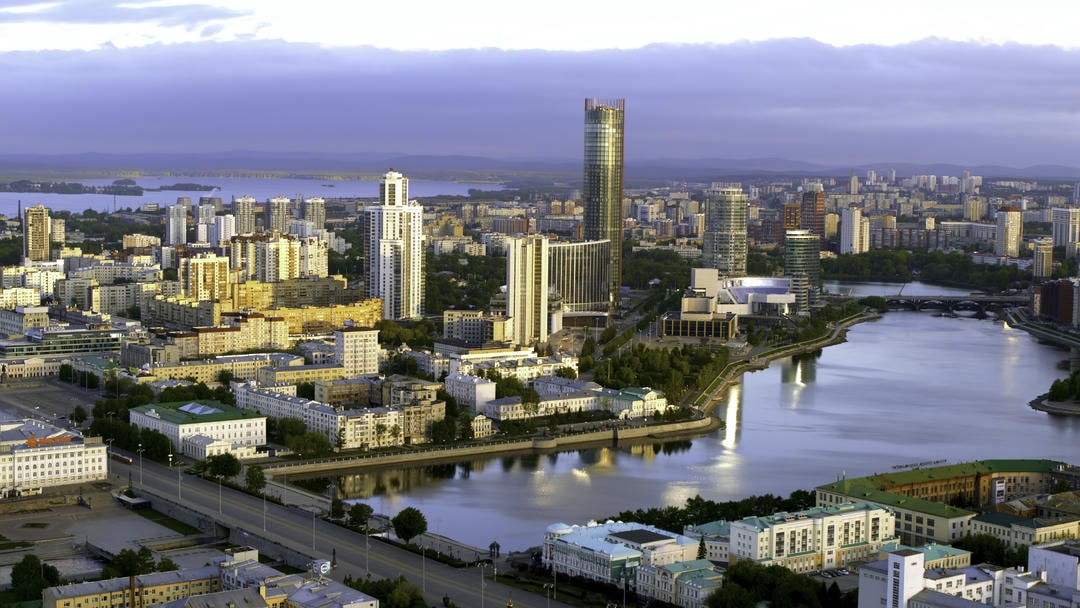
[603, 194]
[812, 214]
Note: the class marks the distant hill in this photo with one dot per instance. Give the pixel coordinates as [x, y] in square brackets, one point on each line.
[453, 167]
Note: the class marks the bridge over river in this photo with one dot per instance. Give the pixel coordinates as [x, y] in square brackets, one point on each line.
[977, 303]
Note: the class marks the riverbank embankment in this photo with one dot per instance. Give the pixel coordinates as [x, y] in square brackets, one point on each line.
[706, 400]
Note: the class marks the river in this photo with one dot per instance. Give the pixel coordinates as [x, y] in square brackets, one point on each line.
[909, 387]
[228, 187]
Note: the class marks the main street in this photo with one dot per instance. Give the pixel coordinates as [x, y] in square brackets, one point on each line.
[304, 532]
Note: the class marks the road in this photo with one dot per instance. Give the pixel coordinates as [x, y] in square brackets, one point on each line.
[302, 531]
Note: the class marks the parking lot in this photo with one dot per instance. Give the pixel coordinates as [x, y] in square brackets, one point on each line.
[44, 399]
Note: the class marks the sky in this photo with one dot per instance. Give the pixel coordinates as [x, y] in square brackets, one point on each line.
[827, 82]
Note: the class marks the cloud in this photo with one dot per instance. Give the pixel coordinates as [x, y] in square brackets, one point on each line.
[98, 11]
[932, 100]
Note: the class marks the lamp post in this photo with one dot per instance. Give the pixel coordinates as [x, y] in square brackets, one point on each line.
[547, 591]
[219, 494]
[367, 551]
[314, 518]
[140, 451]
[264, 509]
[482, 583]
[423, 568]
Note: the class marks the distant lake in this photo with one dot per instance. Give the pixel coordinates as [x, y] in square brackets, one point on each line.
[228, 187]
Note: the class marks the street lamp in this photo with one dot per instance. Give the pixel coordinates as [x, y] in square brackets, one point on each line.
[219, 494]
[423, 568]
[314, 518]
[547, 591]
[264, 509]
[481, 566]
[140, 451]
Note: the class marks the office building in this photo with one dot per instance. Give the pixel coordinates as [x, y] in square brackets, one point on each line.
[578, 274]
[35, 455]
[395, 249]
[812, 213]
[37, 230]
[527, 282]
[725, 245]
[244, 210]
[1010, 232]
[603, 192]
[1044, 258]
[176, 225]
[314, 210]
[277, 215]
[802, 263]
[189, 425]
[1065, 226]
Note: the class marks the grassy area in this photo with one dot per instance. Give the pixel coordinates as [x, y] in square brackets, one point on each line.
[160, 518]
[35, 524]
[18, 544]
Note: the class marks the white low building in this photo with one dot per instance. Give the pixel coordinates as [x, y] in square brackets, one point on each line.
[35, 455]
[189, 425]
[611, 552]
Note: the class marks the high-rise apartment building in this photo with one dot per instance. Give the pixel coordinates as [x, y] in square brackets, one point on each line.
[222, 230]
[802, 264]
[1044, 258]
[854, 236]
[812, 213]
[314, 211]
[244, 210]
[1065, 228]
[725, 244]
[1010, 232]
[277, 215]
[853, 183]
[603, 192]
[578, 272]
[395, 249]
[206, 212]
[792, 216]
[527, 291]
[204, 277]
[176, 225]
[37, 230]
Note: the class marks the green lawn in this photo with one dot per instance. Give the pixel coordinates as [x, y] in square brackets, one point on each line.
[175, 525]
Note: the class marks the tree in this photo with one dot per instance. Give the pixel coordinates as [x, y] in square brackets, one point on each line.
[255, 478]
[566, 372]
[224, 465]
[224, 377]
[359, 514]
[409, 523]
[29, 576]
[166, 565]
[78, 415]
[702, 552]
[337, 508]
[129, 563]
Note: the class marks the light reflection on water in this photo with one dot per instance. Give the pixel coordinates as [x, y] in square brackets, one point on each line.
[909, 386]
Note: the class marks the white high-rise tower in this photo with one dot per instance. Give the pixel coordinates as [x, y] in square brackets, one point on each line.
[395, 249]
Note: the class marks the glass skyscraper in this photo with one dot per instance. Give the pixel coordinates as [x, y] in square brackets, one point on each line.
[724, 246]
[603, 192]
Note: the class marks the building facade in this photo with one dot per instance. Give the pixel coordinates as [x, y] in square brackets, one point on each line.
[35, 455]
[395, 249]
[37, 230]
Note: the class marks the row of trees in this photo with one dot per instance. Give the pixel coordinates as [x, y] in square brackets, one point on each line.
[899, 265]
[673, 371]
[1065, 389]
[747, 583]
[698, 510]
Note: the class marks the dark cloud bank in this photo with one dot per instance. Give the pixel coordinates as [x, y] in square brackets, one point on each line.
[931, 101]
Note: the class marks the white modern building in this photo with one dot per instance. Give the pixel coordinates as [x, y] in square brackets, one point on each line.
[528, 290]
[35, 455]
[1065, 229]
[176, 225]
[854, 231]
[1010, 232]
[396, 249]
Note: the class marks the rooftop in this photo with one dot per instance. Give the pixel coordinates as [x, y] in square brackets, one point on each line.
[193, 412]
[888, 499]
